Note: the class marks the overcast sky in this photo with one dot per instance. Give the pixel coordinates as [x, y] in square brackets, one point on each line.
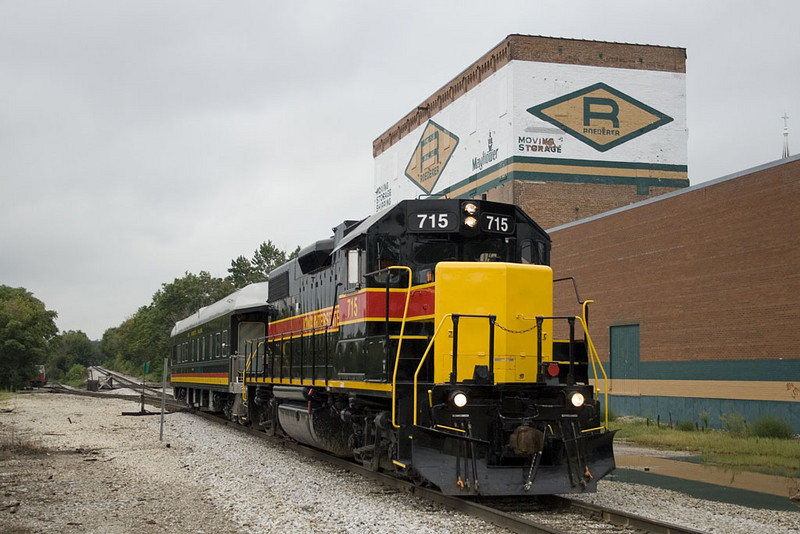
[143, 139]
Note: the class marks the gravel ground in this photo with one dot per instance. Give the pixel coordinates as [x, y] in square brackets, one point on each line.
[75, 464]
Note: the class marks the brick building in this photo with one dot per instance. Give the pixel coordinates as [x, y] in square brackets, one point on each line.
[694, 288]
[564, 128]
[696, 296]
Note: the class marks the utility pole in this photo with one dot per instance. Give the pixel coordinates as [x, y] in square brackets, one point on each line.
[785, 135]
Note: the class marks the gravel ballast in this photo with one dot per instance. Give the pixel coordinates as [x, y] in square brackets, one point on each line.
[70, 463]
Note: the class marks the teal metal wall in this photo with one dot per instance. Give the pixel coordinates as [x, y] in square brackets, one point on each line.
[676, 409]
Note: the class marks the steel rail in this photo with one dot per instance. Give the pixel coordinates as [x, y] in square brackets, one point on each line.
[511, 521]
[492, 514]
[127, 381]
[628, 520]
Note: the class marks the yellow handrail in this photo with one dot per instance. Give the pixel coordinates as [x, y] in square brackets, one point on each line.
[595, 359]
[246, 366]
[421, 362]
[399, 341]
[591, 350]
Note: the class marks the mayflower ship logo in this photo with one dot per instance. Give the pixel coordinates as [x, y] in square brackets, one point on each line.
[600, 116]
[435, 147]
[486, 157]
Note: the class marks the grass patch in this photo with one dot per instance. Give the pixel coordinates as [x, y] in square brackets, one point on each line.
[12, 444]
[729, 450]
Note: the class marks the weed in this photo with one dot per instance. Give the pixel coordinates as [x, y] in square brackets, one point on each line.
[735, 424]
[12, 444]
[704, 418]
[772, 426]
[685, 426]
[768, 455]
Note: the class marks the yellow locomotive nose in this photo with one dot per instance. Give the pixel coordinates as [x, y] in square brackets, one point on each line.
[514, 294]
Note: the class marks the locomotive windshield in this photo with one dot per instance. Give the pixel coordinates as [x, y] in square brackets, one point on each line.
[426, 253]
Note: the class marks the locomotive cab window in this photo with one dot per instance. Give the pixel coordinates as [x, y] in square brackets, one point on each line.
[494, 249]
[386, 254]
[533, 252]
[432, 252]
[354, 268]
[526, 252]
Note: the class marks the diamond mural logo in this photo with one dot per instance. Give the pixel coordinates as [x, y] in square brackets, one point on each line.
[435, 147]
[601, 116]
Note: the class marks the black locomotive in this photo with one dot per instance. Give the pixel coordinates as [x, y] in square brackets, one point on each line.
[420, 340]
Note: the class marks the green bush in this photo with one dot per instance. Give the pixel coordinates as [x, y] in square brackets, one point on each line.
[772, 426]
[76, 376]
[685, 426]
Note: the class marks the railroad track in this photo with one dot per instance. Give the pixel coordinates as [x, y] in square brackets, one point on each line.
[129, 382]
[548, 515]
[152, 396]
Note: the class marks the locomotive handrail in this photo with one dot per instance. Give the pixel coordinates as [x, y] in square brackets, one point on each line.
[419, 367]
[571, 320]
[595, 358]
[399, 341]
[584, 303]
[246, 366]
[301, 333]
[591, 351]
[492, 321]
[454, 317]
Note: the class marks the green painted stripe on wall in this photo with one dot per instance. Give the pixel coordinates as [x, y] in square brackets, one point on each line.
[567, 177]
[777, 370]
[595, 163]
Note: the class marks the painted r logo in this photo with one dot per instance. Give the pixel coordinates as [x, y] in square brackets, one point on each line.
[588, 114]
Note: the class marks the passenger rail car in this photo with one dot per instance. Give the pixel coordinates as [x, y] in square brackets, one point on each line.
[421, 340]
[208, 349]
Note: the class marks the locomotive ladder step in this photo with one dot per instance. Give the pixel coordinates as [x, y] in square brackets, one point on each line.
[365, 448]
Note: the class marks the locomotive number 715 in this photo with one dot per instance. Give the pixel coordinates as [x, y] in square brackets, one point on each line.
[501, 224]
[432, 222]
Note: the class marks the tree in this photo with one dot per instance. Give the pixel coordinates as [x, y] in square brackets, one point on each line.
[184, 296]
[71, 348]
[267, 257]
[241, 272]
[144, 337]
[26, 329]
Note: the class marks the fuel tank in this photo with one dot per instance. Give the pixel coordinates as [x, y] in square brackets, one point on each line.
[317, 427]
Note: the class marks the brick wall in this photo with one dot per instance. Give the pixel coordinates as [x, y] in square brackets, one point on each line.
[552, 204]
[709, 274]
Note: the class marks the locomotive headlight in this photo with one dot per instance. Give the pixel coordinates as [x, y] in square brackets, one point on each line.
[577, 399]
[459, 399]
[470, 208]
[471, 221]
